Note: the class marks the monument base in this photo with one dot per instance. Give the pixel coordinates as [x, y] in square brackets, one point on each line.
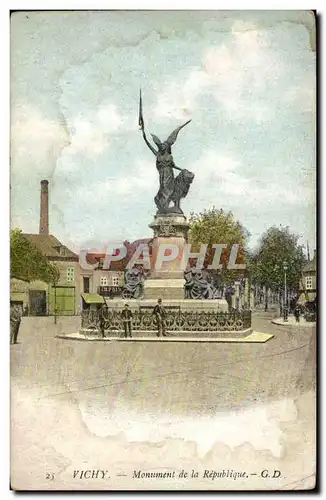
[199, 318]
[169, 288]
[215, 305]
[167, 278]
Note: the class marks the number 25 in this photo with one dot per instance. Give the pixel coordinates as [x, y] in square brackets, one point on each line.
[49, 476]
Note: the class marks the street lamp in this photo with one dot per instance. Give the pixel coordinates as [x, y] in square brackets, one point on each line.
[285, 309]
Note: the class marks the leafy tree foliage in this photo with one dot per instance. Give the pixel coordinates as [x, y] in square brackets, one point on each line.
[214, 226]
[28, 262]
[278, 245]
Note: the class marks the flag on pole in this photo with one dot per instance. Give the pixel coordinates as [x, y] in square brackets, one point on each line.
[141, 119]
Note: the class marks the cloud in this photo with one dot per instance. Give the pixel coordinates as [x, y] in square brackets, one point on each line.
[145, 179]
[178, 99]
[219, 174]
[248, 85]
[238, 73]
[35, 140]
[302, 97]
[90, 133]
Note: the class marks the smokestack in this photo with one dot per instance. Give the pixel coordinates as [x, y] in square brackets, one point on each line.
[44, 208]
[308, 251]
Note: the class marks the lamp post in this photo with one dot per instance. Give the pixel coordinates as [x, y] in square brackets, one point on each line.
[285, 308]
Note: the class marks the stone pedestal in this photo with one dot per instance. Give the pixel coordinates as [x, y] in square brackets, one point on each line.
[167, 282]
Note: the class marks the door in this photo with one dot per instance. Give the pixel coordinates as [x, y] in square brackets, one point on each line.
[62, 300]
[37, 303]
[86, 284]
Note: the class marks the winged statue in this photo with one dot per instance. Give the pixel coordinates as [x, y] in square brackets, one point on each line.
[172, 189]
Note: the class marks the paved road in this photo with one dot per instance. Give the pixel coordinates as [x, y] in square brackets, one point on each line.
[181, 377]
[125, 387]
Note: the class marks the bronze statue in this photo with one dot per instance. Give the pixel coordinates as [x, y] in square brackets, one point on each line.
[198, 285]
[171, 189]
[134, 283]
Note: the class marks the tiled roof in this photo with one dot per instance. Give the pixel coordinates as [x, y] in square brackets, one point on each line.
[141, 241]
[50, 246]
[310, 266]
[18, 278]
[115, 265]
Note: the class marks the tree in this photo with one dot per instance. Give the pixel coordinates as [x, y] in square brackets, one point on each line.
[28, 262]
[276, 246]
[214, 226]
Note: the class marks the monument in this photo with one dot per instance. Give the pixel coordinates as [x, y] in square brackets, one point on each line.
[170, 225]
[193, 303]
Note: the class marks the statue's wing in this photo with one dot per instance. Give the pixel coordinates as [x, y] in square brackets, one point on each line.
[156, 140]
[173, 137]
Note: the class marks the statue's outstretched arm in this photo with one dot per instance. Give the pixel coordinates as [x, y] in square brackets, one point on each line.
[173, 165]
[149, 144]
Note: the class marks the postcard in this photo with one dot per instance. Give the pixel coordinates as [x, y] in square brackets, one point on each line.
[163, 265]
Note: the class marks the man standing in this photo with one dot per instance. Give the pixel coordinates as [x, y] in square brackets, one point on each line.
[103, 316]
[160, 314]
[15, 320]
[127, 318]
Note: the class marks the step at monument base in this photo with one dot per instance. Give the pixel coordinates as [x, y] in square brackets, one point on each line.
[164, 288]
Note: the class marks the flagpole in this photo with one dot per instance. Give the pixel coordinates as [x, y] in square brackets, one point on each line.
[140, 118]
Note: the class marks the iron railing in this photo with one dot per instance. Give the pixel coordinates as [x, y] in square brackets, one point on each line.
[175, 320]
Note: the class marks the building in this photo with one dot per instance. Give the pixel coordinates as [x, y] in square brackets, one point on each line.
[42, 298]
[45, 298]
[308, 282]
[19, 291]
[105, 282]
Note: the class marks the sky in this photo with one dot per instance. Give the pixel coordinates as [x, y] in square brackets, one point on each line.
[246, 79]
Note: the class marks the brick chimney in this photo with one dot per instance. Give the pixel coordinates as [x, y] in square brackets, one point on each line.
[44, 208]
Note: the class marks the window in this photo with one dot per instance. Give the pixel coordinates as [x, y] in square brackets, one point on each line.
[70, 274]
[309, 283]
[115, 281]
[62, 251]
[104, 281]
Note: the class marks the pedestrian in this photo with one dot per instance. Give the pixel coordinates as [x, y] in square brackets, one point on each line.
[160, 315]
[15, 320]
[103, 317]
[297, 313]
[127, 320]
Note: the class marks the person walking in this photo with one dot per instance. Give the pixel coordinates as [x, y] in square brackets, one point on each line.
[297, 313]
[15, 320]
[160, 315]
[127, 319]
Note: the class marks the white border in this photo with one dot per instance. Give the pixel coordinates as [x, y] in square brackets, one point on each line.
[4, 173]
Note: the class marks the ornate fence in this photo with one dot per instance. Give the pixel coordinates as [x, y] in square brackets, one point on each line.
[176, 320]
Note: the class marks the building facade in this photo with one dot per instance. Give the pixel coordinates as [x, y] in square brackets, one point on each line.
[107, 282]
[63, 297]
[19, 291]
[308, 281]
[101, 281]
